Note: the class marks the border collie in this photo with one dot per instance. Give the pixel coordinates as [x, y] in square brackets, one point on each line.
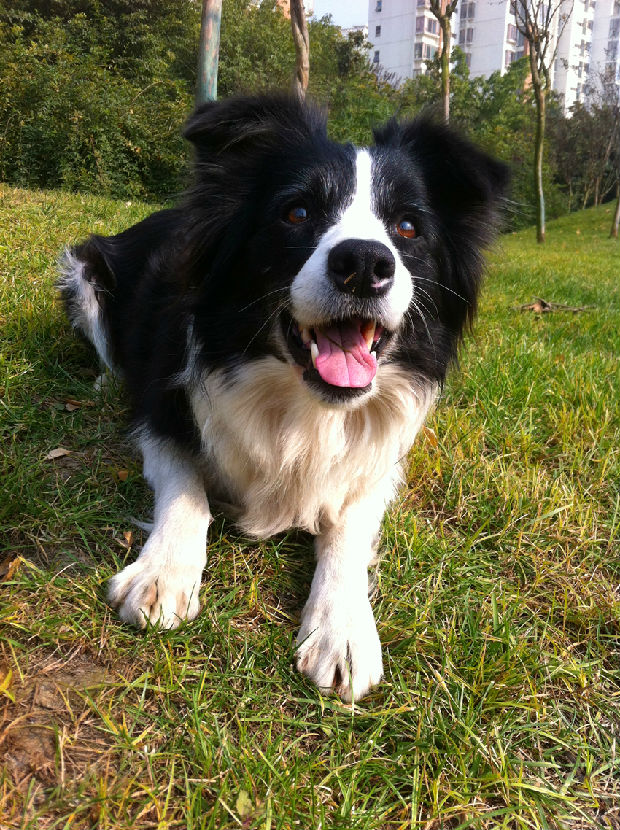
[282, 335]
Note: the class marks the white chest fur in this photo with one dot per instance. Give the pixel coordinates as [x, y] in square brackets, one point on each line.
[288, 460]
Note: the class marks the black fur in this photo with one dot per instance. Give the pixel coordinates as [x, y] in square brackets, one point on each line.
[224, 258]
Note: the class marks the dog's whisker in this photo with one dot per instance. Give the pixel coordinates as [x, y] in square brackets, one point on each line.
[429, 296]
[273, 314]
[263, 297]
[442, 285]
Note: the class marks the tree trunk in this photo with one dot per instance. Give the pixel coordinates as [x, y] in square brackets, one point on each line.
[616, 219]
[446, 31]
[208, 51]
[299, 26]
[538, 162]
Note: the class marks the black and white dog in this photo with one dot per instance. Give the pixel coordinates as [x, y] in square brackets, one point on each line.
[282, 335]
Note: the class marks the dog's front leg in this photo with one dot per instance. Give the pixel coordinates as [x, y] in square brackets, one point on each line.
[162, 585]
[338, 644]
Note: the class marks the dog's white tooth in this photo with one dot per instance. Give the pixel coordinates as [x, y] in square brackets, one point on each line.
[368, 333]
[305, 336]
[314, 352]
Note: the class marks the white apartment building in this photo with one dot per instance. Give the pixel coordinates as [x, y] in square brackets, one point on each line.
[488, 35]
[405, 34]
[605, 49]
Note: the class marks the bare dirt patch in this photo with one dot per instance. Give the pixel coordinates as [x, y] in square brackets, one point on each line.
[50, 737]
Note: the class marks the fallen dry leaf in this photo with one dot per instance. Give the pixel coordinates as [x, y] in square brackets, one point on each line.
[431, 437]
[127, 540]
[540, 306]
[71, 404]
[122, 475]
[59, 452]
[8, 566]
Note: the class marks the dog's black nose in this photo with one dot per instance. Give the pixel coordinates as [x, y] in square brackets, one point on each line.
[363, 267]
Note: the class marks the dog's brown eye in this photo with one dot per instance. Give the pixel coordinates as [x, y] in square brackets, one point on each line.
[297, 215]
[405, 228]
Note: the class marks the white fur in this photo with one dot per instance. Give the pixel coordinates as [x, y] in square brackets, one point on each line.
[338, 644]
[162, 585]
[288, 460]
[313, 295]
[84, 312]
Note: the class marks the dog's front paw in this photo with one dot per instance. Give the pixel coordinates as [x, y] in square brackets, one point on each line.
[146, 592]
[338, 646]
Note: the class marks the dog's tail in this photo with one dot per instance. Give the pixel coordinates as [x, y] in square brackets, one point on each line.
[84, 283]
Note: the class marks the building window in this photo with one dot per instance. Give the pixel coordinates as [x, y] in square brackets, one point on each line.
[428, 51]
[419, 24]
[432, 26]
[421, 4]
[461, 37]
[379, 5]
[417, 51]
[511, 32]
[376, 56]
[614, 27]
[508, 58]
[468, 11]
[377, 31]
[470, 36]
[468, 60]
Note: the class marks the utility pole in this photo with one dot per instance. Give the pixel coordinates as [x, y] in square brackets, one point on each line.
[208, 51]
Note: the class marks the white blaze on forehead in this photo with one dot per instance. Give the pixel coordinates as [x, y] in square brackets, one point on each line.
[313, 295]
[359, 220]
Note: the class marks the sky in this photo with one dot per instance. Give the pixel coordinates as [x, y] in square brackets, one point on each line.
[343, 12]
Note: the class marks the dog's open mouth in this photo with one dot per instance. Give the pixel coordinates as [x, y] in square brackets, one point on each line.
[341, 355]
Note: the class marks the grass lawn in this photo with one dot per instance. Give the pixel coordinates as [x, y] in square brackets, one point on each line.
[497, 599]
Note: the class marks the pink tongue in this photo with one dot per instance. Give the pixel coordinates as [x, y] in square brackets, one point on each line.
[344, 359]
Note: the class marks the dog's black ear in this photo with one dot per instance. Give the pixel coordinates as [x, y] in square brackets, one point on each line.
[464, 183]
[466, 191]
[243, 125]
[98, 266]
